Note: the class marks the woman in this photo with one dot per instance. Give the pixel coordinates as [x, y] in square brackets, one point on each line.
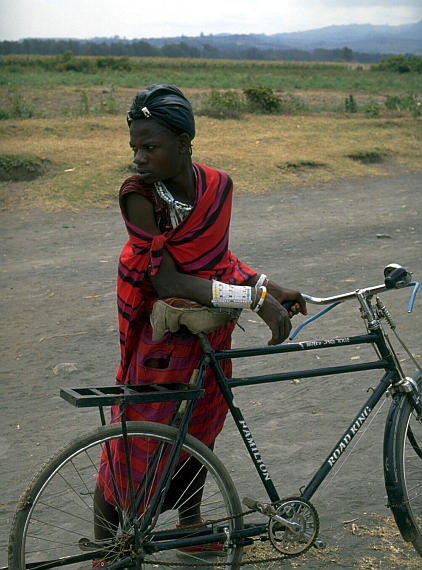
[177, 215]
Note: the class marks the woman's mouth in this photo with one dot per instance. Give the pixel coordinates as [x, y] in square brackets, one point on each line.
[143, 173]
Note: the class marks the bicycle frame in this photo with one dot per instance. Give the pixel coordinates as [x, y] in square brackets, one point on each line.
[385, 362]
[212, 358]
[392, 379]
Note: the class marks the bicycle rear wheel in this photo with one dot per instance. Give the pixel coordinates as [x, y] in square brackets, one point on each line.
[403, 467]
[54, 522]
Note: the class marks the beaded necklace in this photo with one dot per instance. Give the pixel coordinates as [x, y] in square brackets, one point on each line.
[178, 210]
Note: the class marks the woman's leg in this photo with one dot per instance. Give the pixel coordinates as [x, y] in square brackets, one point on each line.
[106, 519]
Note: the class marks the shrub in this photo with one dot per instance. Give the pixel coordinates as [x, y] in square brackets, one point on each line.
[108, 103]
[19, 108]
[368, 156]
[350, 104]
[400, 64]
[262, 100]
[300, 165]
[223, 105]
[118, 63]
[408, 102]
[372, 109]
[83, 108]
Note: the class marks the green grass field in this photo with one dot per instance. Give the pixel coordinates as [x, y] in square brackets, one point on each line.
[64, 139]
[54, 71]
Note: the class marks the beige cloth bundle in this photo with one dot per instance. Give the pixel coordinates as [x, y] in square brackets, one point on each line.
[168, 315]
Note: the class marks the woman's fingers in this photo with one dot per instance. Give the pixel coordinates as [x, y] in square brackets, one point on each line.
[277, 319]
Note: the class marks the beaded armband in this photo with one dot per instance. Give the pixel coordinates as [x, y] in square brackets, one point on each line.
[233, 296]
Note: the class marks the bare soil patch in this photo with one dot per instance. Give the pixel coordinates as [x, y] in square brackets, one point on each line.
[59, 329]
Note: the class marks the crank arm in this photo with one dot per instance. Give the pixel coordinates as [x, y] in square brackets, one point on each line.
[268, 510]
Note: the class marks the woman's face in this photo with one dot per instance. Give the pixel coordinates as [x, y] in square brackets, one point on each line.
[159, 154]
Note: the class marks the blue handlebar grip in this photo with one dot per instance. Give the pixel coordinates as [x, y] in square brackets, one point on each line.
[416, 286]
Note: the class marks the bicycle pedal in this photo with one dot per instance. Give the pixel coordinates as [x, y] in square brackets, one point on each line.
[319, 543]
[255, 505]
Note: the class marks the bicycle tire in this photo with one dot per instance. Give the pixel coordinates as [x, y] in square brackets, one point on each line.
[56, 510]
[403, 467]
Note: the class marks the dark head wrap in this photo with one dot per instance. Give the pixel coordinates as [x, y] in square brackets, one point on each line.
[165, 104]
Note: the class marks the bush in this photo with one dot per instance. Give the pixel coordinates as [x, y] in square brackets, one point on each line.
[262, 100]
[68, 62]
[223, 105]
[19, 108]
[372, 109]
[108, 103]
[400, 64]
[369, 156]
[408, 102]
[350, 104]
[118, 63]
[83, 108]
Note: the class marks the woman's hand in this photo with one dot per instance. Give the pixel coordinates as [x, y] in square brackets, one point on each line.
[275, 315]
[277, 318]
[283, 295]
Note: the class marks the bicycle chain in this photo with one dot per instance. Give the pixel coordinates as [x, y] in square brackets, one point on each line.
[216, 564]
[221, 564]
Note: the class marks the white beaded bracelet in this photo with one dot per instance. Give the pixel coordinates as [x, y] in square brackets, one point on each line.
[233, 296]
[263, 280]
[261, 300]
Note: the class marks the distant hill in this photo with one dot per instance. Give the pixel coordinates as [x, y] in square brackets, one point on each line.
[360, 37]
[360, 43]
[365, 38]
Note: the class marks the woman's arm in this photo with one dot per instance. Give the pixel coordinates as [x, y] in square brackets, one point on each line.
[170, 282]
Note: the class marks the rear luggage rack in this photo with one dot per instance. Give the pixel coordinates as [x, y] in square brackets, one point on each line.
[94, 396]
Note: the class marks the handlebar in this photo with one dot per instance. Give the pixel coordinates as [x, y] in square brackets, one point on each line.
[396, 277]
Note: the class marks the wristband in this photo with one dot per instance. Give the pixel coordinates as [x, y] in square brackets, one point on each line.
[233, 296]
[263, 280]
[261, 300]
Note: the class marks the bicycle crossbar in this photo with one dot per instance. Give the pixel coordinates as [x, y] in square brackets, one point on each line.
[94, 396]
[294, 346]
[311, 373]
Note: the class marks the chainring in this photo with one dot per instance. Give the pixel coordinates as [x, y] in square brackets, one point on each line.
[294, 542]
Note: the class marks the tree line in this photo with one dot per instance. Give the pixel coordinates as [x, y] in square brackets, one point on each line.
[180, 49]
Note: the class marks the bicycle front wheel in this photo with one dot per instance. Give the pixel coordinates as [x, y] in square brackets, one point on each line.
[54, 522]
[403, 467]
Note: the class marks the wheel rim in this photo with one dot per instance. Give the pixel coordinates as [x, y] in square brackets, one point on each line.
[59, 523]
[412, 468]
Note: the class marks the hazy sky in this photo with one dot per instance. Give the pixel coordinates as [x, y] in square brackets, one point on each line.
[142, 19]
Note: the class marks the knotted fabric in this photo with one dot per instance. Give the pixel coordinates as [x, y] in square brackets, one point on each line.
[167, 105]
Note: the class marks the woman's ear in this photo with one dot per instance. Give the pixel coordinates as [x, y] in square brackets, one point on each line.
[184, 143]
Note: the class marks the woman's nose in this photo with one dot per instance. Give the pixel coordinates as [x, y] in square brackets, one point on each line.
[140, 157]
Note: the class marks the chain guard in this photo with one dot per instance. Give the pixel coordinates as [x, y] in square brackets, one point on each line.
[292, 542]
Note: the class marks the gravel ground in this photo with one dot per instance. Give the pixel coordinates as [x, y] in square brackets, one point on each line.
[59, 329]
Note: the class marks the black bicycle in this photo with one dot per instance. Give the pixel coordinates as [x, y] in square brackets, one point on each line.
[54, 521]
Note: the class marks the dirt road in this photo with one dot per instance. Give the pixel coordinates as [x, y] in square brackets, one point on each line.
[59, 329]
